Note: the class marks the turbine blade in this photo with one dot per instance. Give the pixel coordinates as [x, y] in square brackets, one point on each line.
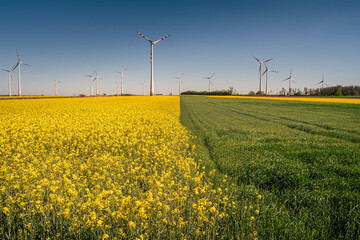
[17, 53]
[265, 72]
[268, 60]
[265, 66]
[15, 66]
[274, 71]
[257, 59]
[161, 39]
[285, 79]
[182, 75]
[212, 75]
[206, 77]
[26, 64]
[144, 37]
[117, 71]
[125, 69]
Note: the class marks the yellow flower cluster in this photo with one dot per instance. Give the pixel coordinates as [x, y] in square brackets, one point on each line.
[303, 99]
[98, 168]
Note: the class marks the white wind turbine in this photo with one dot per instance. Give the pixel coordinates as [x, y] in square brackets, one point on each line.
[10, 77]
[143, 84]
[180, 81]
[56, 83]
[91, 83]
[289, 79]
[210, 82]
[267, 71]
[122, 79]
[19, 62]
[260, 72]
[97, 80]
[152, 61]
[322, 82]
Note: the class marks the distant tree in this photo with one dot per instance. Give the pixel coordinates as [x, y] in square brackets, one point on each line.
[251, 93]
[260, 93]
[306, 91]
[231, 90]
[338, 90]
[283, 91]
[222, 92]
[297, 92]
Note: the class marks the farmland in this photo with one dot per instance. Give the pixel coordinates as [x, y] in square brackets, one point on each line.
[108, 168]
[303, 157]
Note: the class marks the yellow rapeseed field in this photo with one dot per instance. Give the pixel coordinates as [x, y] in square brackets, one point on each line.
[303, 99]
[109, 167]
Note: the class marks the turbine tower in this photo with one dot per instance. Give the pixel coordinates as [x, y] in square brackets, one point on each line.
[56, 83]
[10, 77]
[122, 78]
[260, 72]
[180, 81]
[152, 43]
[19, 62]
[210, 82]
[143, 84]
[91, 83]
[97, 80]
[267, 71]
[322, 82]
[289, 79]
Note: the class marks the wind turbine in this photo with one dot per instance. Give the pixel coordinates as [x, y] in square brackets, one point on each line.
[19, 62]
[267, 71]
[322, 82]
[56, 82]
[260, 72]
[143, 84]
[122, 78]
[97, 80]
[180, 81]
[290, 79]
[152, 61]
[10, 77]
[91, 83]
[210, 82]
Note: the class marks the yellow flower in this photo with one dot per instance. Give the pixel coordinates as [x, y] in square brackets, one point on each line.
[131, 224]
[6, 211]
[257, 211]
[252, 218]
[259, 196]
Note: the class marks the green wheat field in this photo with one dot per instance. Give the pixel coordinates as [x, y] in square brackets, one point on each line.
[302, 157]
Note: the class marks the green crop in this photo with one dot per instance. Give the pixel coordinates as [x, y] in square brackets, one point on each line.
[302, 157]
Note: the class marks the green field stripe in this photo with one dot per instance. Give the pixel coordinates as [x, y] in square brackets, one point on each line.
[351, 136]
[303, 157]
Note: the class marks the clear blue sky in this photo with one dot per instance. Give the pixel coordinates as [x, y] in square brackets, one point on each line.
[66, 40]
